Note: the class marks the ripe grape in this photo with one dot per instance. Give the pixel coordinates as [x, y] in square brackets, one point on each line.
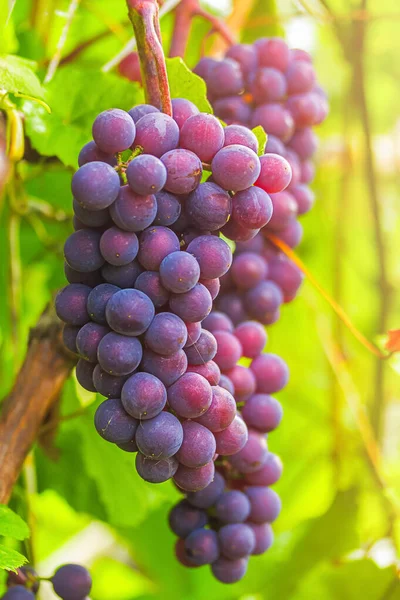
[90, 218]
[185, 518]
[71, 303]
[168, 209]
[284, 210]
[286, 275]
[95, 185]
[263, 536]
[132, 212]
[235, 167]
[203, 134]
[252, 207]
[88, 339]
[124, 276]
[182, 109]
[156, 470]
[97, 301]
[118, 354]
[71, 582]
[217, 321]
[113, 423]
[106, 384]
[201, 546]
[193, 305]
[119, 247]
[209, 206]
[236, 540]
[129, 312]
[246, 55]
[229, 350]
[69, 337]
[275, 119]
[304, 198]
[267, 85]
[232, 439]
[232, 109]
[156, 134]
[179, 272]
[232, 506]
[269, 473]
[146, 174]
[271, 373]
[193, 480]
[166, 335]
[155, 244]
[143, 396]
[225, 78]
[229, 571]
[213, 286]
[221, 411]
[273, 52]
[252, 456]
[265, 504]
[252, 337]
[198, 446]
[166, 368]
[91, 279]
[184, 171]
[262, 412]
[209, 495]
[244, 382]
[113, 131]
[275, 173]
[193, 333]
[84, 374]
[203, 350]
[237, 134]
[209, 371]
[262, 300]
[82, 250]
[90, 153]
[159, 437]
[139, 111]
[212, 254]
[190, 396]
[149, 282]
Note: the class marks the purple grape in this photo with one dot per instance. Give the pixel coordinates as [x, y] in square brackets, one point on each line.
[155, 244]
[294, 162]
[233, 438]
[132, 212]
[198, 446]
[221, 412]
[264, 537]
[149, 282]
[24, 576]
[217, 321]
[213, 286]
[212, 254]
[139, 111]
[307, 171]
[252, 208]
[203, 134]
[156, 470]
[269, 473]
[194, 480]
[124, 276]
[236, 540]
[252, 456]
[113, 423]
[274, 145]
[181, 556]
[106, 384]
[129, 312]
[159, 437]
[246, 55]
[268, 85]
[237, 134]
[156, 134]
[113, 131]
[264, 299]
[286, 275]
[227, 384]
[244, 382]
[236, 232]
[305, 109]
[168, 209]
[97, 301]
[209, 206]
[190, 396]
[179, 272]
[300, 54]
[273, 52]
[69, 337]
[119, 247]
[204, 66]
[82, 251]
[248, 270]
[184, 171]
[304, 198]
[90, 153]
[166, 335]
[146, 174]
[202, 546]
[275, 119]
[95, 185]
[90, 218]
[209, 495]
[262, 412]
[129, 446]
[70, 304]
[88, 340]
[209, 371]
[271, 373]
[229, 350]
[252, 337]
[232, 507]
[292, 234]
[300, 77]
[203, 350]
[143, 396]
[229, 571]
[166, 368]
[71, 582]
[304, 142]
[225, 78]
[84, 374]
[182, 110]
[284, 210]
[193, 333]
[275, 175]
[235, 167]
[193, 305]
[233, 109]
[185, 518]
[118, 354]
[265, 504]
[91, 279]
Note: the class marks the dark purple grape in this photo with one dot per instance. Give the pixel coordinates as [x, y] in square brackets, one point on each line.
[264, 299]
[71, 582]
[225, 78]
[70, 304]
[118, 354]
[193, 333]
[132, 212]
[236, 540]
[190, 396]
[227, 384]
[18, 592]
[184, 171]
[88, 340]
[252, 207]
[69, 337]
[168, 209]
[269, 473]
[84, 374]
[202, 546]
[129, 446]
[139, 111]
[203, 350]
[166, 335]
[209, 207]
[155, 244]
[232, 305]
[265, 504]
[275, 119]
[246, 55]
[166, 368]
[97, 301]
[203, 134]
[209, 495]
[271, 373]
[82, 251]
[236, 232]
[237, 134]
[264, 537]
[248, 270]
[252, 337]
[91, 279]
[179, 272]
[275, 175]
[156, 470]
[229, 571]
[193, 305]
[159, 437]
[124, 276]
[286, 275]
[273, 52]
[194, 480]
[119, 247]
[90, 153]
[262, 412]
[221, 411]
[268, 85]
[146, 174]
[213, 255]
[204, 66]
[185, 518]
[143, 396]
[244, 382]
[217, 321]
[149, 282]
[233, 109]
[130, 312]
[198, 446]
[24, 576]
[156, 134]
[229, 350]
[209, 371]
[232, 507]
[182, 110]
[252, 456]
[95, 185]
[90, 218]
[106, 384]
[235, 167]
[113, 131]
[213, 286]
[113, 423]
[233, 438]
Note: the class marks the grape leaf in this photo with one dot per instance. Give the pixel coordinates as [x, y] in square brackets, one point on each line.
[11, 525]
[261, 138]
[17, 76]
[185, 84]
[11, 559]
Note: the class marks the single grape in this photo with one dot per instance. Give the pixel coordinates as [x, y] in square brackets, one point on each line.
[201, 546]
[146, 174]
[221, 412]
[194, 480]
[209, 371]
[262, 300]
[119, 247]
[268, 85]
[168, 209]
[156, 470]
[275, 173]
[132, 212]
[209, 495]
[274, 145]
[232, 305]
[129, 446]
[212, 254]
[90, 218]
[229, 350]
[91, 279]
[294, 162]
[292, 234]
[237, 134]
[84, 374]
[233, 438]
[244, 382]
[130, 312]
[209, 206]
[274, 118]
[70, 304]
[262, 412]
[139, 111]
[304, 142]
[246, 55]
[286, 275]
[271, 373]
[235, 167]
[225, 78]
[182, 109]
[198, 446]
[71, 582]
[82, 250]
[229, 571]
[237, 232]
[232, 110]
[149, 282]
[252, 337]
[124, 276]
[213, 286]
[304, 198]
[190, 396]
[118, 354]
[269, 473]
[236, 540]
[143, 396]
[95, 185]
[18, 592]
[155, 244]
[264, 537]
[113, 131]
[217, 321]
[179, 272]
[252, 456]
[156, 134]
[113, 423]
[24, 575]
[193, 333]
[248, 270]
[305, 109]
[185, 518]
[88, 340]
[159, 437]
[252, 207]
[106, 384]
[265, 504]
[227, 384]
[166, 368]
[181, 555]
[203, 350]
[307, 171]
[203, 134]
[204, 66]
[300, 54]
[97, 301]
[69, 337]
[232, 507]
[90, 153]
[184, 171]
[273, 52]
[284, 210]
[166, 335]
[193, 305]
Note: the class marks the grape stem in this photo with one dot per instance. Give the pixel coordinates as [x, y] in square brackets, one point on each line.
[185, 12]
[145, 21]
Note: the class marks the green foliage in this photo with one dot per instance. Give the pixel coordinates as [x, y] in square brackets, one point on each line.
[17, 76]
[11, 526]
[261, 138]
[185, 84]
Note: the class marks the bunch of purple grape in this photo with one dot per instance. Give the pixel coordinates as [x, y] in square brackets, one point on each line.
[70, 582]
[229, 520]
[144, 265]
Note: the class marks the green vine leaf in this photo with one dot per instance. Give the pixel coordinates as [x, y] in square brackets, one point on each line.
[185, 84]
[17, 76]
[262, 138]
[11, 525]
[10, 559]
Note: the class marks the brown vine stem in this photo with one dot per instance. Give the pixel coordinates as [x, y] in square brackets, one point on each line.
[145, 20]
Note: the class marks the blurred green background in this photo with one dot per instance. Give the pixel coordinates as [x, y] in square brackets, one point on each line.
[339, 532]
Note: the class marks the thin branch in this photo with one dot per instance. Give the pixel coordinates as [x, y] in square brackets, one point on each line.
[61, 42]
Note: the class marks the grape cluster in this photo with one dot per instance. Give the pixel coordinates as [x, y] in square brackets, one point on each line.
[229, 520]
[143, 267]
[70, 582]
